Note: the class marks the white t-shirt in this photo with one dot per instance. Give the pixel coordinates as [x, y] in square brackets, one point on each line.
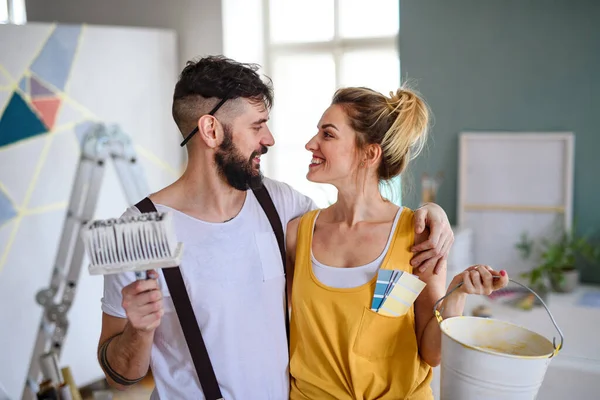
[235, 280]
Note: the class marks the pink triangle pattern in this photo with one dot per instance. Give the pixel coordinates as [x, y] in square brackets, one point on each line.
[47, 108]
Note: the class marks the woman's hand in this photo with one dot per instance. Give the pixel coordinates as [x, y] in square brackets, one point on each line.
[480, 279]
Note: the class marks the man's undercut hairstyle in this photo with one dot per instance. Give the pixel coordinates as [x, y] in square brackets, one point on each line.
[203, 83]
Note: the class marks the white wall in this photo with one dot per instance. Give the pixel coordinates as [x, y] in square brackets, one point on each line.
[119, 75]
[197, 22]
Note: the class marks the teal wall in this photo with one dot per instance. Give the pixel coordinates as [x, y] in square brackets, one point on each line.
[506, 65]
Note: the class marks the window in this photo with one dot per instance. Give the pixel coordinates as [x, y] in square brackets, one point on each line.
[3, 11]
[12, 11]
[311, 48]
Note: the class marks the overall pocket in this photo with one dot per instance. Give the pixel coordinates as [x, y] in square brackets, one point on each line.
[380, 336]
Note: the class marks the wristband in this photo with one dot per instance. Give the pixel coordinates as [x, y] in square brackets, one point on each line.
[112, 374]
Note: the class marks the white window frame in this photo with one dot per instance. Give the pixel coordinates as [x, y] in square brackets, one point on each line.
[337, 45]
[16, 12]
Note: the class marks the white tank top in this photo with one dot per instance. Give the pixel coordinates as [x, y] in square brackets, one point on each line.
[351, 277]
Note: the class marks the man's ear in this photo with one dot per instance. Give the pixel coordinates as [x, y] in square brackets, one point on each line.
[207, 130]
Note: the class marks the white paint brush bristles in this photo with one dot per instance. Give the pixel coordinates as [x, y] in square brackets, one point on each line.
[137, 243]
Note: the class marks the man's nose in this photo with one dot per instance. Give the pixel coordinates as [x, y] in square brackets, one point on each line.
[268, 139]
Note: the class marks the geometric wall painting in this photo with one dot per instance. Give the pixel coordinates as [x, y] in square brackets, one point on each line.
[7, 211]
[82, 129]
[5, 233]
[53, 64]
[23, 159]
[29, 40]
[38, 89]
[47, 109]
[4, 81]
[19, 122]
[24, 85]
[53, 87]
[4, 96]
[55, 181]
[68, 114]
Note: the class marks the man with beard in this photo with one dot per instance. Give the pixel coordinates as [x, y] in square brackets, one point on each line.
[231, 265]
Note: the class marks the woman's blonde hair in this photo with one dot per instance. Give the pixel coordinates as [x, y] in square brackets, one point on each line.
[398, 123]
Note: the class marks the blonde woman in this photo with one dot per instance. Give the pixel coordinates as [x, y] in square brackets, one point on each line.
[340, 349]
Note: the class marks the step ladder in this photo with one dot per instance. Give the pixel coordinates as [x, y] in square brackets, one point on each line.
[100, 144]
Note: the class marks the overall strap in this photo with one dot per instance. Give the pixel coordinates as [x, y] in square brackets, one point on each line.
[266, 202]
[189, 325]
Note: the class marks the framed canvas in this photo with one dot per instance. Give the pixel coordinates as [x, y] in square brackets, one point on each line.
[510, 184]
[56, 81]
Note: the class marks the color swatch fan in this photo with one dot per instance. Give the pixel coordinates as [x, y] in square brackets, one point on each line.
[395, 292]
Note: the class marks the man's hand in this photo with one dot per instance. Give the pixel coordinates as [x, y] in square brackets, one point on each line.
[433, 252]
[142, 301]
[125, 344]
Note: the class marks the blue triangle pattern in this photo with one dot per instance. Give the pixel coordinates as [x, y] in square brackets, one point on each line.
[23, 85]
[7, 211]
[18, 122]
[54, 62]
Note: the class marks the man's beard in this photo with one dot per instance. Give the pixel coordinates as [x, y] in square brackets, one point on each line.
[236, 170]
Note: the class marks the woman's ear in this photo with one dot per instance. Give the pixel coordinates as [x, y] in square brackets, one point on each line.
[372, 155]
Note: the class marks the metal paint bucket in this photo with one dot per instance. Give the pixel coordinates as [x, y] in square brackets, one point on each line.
[484, 358]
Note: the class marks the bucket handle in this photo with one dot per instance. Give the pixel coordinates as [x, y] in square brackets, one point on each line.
[438, 314]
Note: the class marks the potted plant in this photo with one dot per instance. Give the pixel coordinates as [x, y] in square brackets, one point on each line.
[538, 279]
[556, 259]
